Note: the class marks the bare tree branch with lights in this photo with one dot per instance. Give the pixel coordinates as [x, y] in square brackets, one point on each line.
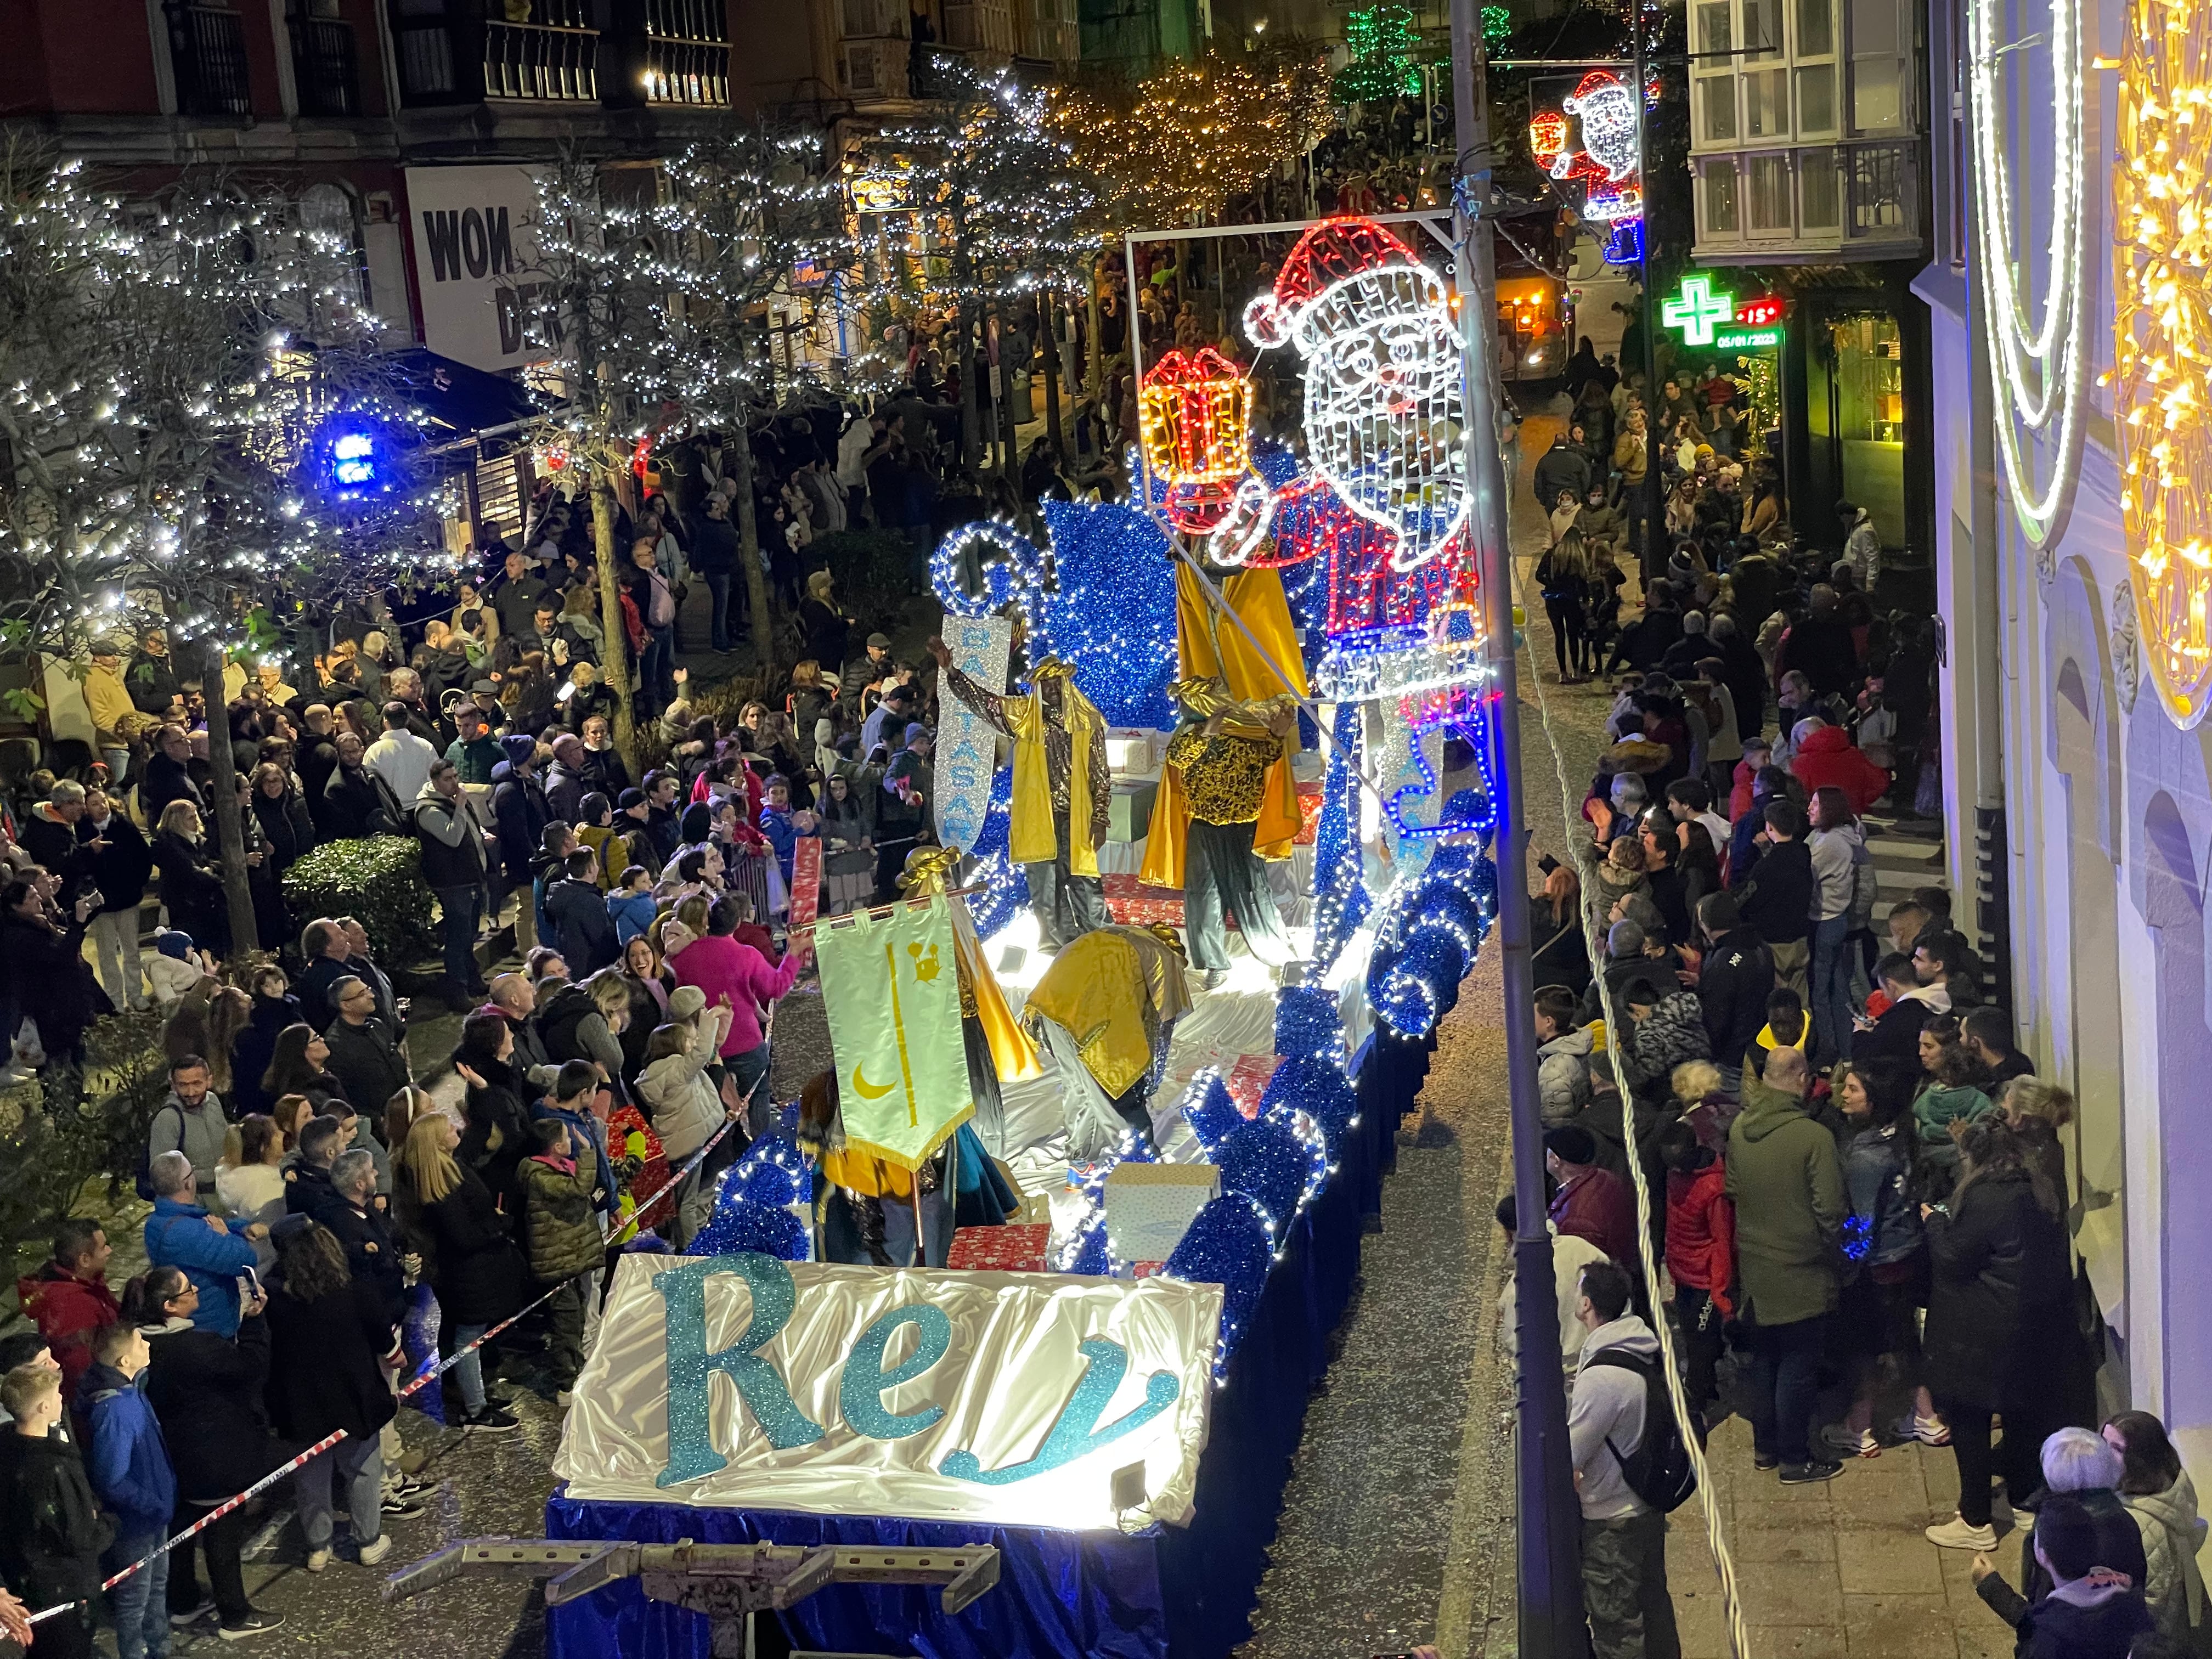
[996, 204]
[175, 375]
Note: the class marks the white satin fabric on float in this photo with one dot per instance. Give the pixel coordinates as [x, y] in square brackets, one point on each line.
[742, 1382]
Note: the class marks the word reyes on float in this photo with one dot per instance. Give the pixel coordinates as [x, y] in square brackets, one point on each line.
[744, 1381]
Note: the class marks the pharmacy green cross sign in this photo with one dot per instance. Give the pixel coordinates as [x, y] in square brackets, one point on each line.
[1697, 310]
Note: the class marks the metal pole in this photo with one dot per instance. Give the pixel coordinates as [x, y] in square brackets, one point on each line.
[1549, 1525]
[1654, 520]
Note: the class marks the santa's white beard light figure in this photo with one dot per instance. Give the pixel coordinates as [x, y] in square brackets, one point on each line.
[1383, 406]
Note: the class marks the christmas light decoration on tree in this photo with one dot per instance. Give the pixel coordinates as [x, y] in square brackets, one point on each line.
[1193, 416]
[1497, 27]
[2162, 346]
[1384, 42]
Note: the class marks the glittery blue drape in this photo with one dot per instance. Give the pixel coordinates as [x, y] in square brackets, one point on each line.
[1169, 1592]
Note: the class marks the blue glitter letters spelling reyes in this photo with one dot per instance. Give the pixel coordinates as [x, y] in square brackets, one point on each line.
[682, 1291]
[1075, 1433]
[860, 1389]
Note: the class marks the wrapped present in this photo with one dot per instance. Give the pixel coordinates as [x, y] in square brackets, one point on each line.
[1017, 1248]
[1130, 814]
[1132, 751]
[1149, 1206]
[1309, 794]
[1247, 1080]
[1144, 1270]
[1132, 904]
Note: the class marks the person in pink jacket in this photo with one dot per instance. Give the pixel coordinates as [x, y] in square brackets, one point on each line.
[734, 975]
[1825, 756]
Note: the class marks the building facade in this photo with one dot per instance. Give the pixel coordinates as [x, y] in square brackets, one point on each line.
[1808, 161]
[2076, 768]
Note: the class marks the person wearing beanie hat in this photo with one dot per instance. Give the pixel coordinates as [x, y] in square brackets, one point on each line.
[634, 833]
[1592, 1203]
[595, 829]
[174, 967]
[519, 813]
[677, 1083]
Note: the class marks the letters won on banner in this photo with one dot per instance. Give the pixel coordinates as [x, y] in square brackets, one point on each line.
[743, 1381]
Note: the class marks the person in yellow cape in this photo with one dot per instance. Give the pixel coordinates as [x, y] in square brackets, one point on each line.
[1227, 800]
[872, 1213]
[998, 1050]
[1063, 794]
[1105, 1010]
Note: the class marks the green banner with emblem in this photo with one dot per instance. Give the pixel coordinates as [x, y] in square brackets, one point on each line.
[892, 987]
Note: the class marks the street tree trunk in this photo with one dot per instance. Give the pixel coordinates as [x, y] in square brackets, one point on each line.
[971, 416]
[1009, 462]
[1045, 312]
[204, 658]
[763, 625]
[621, 675]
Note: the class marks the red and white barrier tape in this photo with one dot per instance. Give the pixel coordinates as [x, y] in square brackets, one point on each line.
[328, 1441]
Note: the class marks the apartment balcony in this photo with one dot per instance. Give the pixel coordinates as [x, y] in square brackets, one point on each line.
[1848, 202]
[981, 25]
[324, 66]
[653, 52]
[207, 50]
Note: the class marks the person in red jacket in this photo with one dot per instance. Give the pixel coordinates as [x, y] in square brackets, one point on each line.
[1825, 756]
[68, 1299]
[1700, 1255]
[1757, 755]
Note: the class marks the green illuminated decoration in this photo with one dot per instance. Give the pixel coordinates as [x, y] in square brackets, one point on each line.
[1697, 310]
[1497, 26]
[1747, 339]
[1384, 41]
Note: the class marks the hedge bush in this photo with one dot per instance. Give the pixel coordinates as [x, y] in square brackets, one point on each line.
[874, 568]
[68, 1126]
[378, 881]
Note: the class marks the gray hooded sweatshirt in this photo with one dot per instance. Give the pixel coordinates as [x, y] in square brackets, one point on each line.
[1609, 1404]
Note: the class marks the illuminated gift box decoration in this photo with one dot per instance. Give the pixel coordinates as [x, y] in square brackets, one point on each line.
[1017, 1247]
[1194, 418]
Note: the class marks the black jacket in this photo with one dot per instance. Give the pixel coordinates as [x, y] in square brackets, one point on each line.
[1895, 1035]
[482, 1275]
[373, 1248]
[206, 1391]
[1560, 468]
[325, 1375]
[251, 1050]
[366, 1060]
[1737, 978]
[163, 781]
[51, 1531]
[50, 980]
[582, 931]
[520, 810]
[715, 547]
[2000, 1295]
[286, 825]
[122, 869]
[316, 759]
[308, 1192]
[317, 980]
[358, 803]
[58, 850]
[1778, 902]
[190, 888]
[565, 791]
[498, 1106]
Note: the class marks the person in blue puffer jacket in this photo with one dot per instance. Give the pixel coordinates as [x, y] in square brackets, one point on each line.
[1885, 1259]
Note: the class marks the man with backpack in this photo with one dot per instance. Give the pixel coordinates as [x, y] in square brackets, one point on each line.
[1630, 1469]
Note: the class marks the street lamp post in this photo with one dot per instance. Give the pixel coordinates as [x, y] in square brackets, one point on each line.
[1549, 1517]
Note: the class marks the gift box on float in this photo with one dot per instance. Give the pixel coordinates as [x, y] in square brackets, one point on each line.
[1149, 1206]
[1020, 1248]
[1130, 814]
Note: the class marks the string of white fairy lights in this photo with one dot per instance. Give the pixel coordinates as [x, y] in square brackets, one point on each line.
[2037, 367]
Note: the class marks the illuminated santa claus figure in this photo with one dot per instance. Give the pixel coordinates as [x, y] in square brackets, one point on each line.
[1384, 502]
[1383, 403]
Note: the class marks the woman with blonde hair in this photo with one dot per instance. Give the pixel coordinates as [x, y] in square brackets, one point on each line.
[2037, 1111]
[479, 1274]
[191, 881]
[1561, 956]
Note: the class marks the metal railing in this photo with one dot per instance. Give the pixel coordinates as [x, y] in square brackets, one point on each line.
[541, 60]
[324, 67]
[207, 49]
[687, 71]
